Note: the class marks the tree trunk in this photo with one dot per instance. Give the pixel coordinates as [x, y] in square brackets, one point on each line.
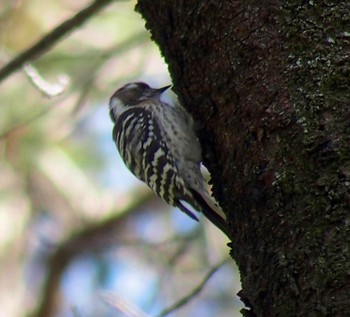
[268, 81]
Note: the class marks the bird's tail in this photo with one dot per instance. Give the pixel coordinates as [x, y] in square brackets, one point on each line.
[211, 211]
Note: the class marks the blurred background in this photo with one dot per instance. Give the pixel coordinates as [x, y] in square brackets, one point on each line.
[79, 234]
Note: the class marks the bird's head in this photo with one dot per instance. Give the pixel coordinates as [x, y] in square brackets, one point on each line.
[133, 93]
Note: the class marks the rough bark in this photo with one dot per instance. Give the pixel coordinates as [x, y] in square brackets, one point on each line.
[268, 81]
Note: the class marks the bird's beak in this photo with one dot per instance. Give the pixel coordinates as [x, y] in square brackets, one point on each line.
[161, 90]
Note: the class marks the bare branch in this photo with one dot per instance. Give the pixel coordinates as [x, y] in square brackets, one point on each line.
[52, 38]
[194, 292]
[85, 240]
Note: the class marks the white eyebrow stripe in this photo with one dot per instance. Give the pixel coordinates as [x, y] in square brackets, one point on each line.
[132, 85]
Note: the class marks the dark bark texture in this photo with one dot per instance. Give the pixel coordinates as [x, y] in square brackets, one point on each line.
[268, 83]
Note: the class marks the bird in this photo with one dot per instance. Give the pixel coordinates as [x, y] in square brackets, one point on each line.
[158, 143]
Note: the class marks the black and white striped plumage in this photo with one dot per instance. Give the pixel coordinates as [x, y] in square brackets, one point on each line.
[158, 144]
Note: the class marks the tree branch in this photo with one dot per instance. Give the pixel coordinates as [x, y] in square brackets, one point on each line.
[183, 301]
[128, 44]
[85, 240]
[52, 38]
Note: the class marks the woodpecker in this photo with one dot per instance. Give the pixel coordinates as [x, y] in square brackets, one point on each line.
[158, 144]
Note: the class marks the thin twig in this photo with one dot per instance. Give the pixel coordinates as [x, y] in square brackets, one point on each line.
[52, 38]
[47, 89]
[194, 292]
[23, 123]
